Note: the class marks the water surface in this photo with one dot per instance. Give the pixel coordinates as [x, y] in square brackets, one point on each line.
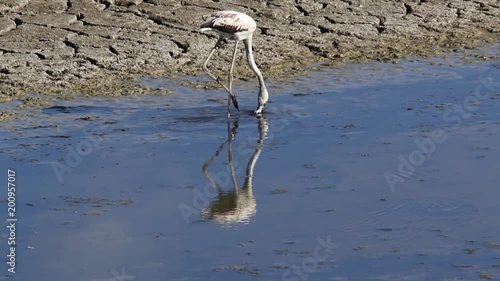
[365, 172]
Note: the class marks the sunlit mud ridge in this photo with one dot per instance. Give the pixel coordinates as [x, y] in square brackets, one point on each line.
[93, 47]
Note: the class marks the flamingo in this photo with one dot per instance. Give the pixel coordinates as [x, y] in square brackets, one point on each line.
[238, 27]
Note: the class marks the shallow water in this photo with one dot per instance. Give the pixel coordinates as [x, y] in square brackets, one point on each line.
[367, 172]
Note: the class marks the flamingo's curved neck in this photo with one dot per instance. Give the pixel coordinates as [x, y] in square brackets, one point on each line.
[251, 61]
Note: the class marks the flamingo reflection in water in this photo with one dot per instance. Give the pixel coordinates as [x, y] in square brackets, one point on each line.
[237, 205]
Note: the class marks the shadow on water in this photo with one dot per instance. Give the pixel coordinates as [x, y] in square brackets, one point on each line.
[365, 172]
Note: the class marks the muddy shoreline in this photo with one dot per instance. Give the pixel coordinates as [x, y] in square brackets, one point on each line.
[99, 47]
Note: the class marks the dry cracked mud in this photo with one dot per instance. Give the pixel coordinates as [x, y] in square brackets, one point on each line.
[98, 47]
